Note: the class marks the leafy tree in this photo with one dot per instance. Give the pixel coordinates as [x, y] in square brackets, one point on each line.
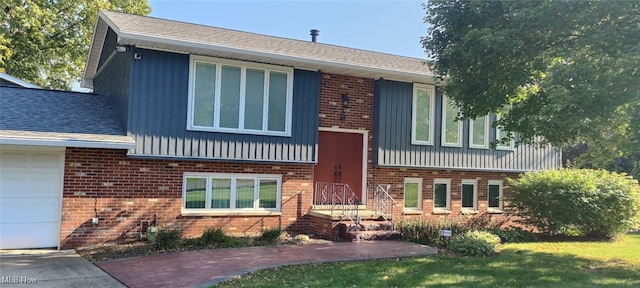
[45, 42]
[564, 70]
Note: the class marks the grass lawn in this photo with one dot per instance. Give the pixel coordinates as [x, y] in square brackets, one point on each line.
[539, 264]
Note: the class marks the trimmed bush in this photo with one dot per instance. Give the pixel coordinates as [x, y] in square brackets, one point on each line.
[583, 202]
[213, 236]
[474, 243]
[167, 239]
[270, 235]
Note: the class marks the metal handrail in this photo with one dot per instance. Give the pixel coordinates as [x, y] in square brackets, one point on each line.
[381, 202]
[337, 197]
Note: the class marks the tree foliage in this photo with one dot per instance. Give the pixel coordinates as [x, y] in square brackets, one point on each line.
[564, 70]
[46, 42]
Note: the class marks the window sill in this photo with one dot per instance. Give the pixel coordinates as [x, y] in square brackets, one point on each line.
[411, 212]
[469, 212]
[239, 131]
[441, 212]
[479, 147]
[495, 211]
[230, 213]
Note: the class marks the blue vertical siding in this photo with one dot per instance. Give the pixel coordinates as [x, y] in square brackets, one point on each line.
[158, 117]
[392, 139]
[113, 78]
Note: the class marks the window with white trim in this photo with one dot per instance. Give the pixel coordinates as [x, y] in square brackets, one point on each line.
[479, 132]
[412, 193]
[239, 97]
[469, 195]
[441, 194]
[423, 111]
[500, 133]
[451, 126]
[495, 195]
[210, 193]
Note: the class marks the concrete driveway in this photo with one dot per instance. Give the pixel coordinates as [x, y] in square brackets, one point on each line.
[51, 268]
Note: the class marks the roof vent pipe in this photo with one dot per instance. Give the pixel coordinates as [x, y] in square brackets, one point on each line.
[314, 34]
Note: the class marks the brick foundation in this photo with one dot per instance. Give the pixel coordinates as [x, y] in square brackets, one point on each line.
[123, 191]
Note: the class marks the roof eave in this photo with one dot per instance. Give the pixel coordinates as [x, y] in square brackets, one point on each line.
[186, 46]
[62, 142]
[168, 44]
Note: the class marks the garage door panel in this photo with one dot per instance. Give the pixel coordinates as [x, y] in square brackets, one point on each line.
[13, 160]
[21, 210]
[12, 184]
[29, 184]
[30, 197]
[34, 235]
[45, 184]
[40, 160]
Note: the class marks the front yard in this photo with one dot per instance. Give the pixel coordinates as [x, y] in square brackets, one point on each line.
[538, 264]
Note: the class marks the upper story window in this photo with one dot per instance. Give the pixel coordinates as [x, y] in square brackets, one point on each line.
[423, 111]
[479, 132]
[451, 127]
[239, 97]
[501, 134]
[224, 193]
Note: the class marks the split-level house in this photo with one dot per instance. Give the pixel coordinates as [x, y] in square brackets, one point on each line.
[191, 127]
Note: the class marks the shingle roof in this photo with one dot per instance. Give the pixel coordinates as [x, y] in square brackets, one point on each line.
[49, 115]
[155, 33]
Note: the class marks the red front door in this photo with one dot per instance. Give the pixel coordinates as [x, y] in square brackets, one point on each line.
[340, 159]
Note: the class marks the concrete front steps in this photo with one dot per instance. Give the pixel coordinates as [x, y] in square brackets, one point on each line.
[368, 230]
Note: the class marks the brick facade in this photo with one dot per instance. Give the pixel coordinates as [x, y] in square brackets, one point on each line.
[123, 191]
[360, 117]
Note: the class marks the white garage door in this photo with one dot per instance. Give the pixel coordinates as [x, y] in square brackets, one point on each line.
[30, 195]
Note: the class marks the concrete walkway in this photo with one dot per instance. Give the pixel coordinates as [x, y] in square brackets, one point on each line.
[207, 267]
[51, 268]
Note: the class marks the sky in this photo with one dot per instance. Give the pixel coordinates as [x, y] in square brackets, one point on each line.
[393, 27]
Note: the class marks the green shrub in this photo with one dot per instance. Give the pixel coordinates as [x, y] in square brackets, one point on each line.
[592, 203]
[214, 236]
[427, 231]
[167, 239]
[485, 236]
[514, 235]
[474, 243]
[270, 235]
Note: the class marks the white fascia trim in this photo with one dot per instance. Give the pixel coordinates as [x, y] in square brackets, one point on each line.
[194, 158]
[88, 83]
[18, 81]
[457, 168]
[67, 143]
[176, 42]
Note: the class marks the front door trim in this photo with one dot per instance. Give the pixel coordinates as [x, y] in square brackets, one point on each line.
[365, 145]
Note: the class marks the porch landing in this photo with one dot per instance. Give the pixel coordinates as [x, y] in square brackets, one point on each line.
[339, 225]
[337, 215]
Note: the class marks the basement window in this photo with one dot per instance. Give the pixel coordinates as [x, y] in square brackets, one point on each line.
[412, 194]
[225, 193]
